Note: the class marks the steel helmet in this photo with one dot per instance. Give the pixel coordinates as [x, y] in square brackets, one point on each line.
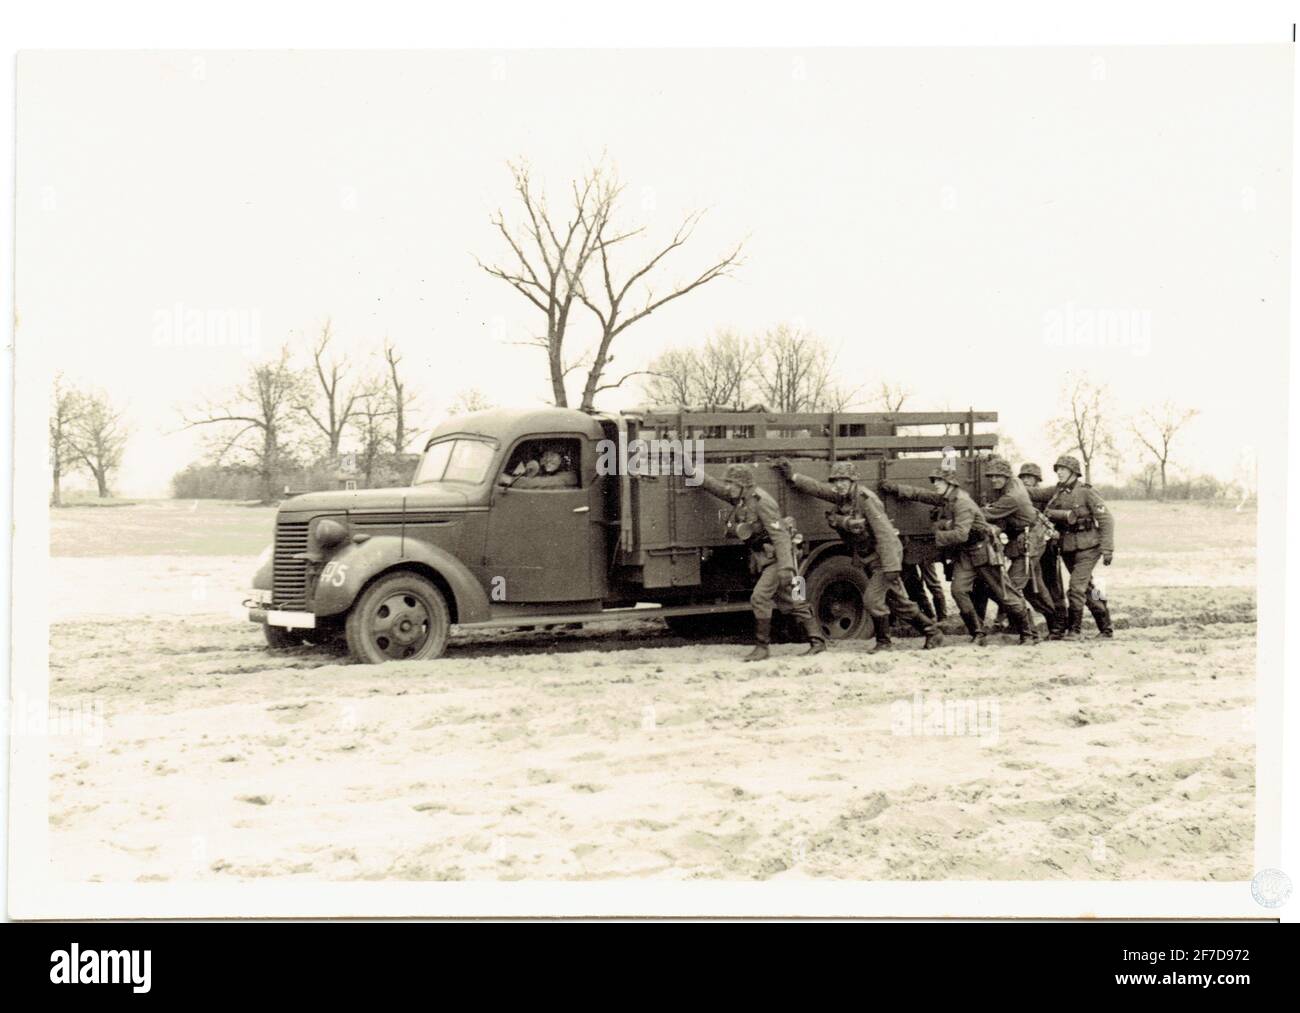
[844, 469]
[1032, 470]
[998, 466]
[1068, 461]
[741, 474]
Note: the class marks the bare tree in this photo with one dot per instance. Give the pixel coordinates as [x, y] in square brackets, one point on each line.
[672, 379]
[402, 400]
[330, 408]
[891, 397]
[727, 363]
[97, 437]
[1085, 426]
[470, 400]
[553, 259]
[617, 305]
[549, 258]
[719, 375]
[373, 421]
[1155, 429]
[255, 422]
[794, 373]
[65, 406]
[1147, 478]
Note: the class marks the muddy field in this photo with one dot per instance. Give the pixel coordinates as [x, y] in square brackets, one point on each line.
[623, 751]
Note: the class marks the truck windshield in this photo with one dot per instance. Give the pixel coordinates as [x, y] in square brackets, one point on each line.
[455, 461]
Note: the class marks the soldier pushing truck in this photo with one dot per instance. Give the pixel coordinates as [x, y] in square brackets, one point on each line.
[1027, 534]
[969, 543]
[1087, 532]
[770, 539]
[861, 521]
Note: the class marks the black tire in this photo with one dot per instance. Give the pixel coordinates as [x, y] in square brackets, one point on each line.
[836, 589]
[279, 638]
[400, 617]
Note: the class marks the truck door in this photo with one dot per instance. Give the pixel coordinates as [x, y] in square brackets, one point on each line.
[539, 528]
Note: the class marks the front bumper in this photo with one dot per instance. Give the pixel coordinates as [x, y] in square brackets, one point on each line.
[260, 611]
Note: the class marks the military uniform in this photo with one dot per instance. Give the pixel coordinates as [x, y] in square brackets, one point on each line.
[860, 520]
[925, 587]
[756, 520]
[1027, 536]
[1031, 476]
[1087, 531]
[963, 534]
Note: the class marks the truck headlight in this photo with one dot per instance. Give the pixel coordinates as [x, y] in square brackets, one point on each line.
[329, 533]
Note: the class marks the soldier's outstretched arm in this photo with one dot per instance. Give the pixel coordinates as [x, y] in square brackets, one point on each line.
[963, 518]
[1105, 523]
[822, 490]
[910, 492]
[715, 486]
[1041, 494]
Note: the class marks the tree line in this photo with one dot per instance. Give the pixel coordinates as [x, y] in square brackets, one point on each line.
[291, 422]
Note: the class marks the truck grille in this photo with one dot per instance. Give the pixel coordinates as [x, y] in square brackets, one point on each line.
[289, 580]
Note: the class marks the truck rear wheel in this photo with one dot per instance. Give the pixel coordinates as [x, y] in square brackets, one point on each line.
[400, 617]
[835, 593]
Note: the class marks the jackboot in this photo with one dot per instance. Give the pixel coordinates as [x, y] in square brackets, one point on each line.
[1056, 624]
[762, 637]
[813, 631]
[929, 629]
[1023, 621]
[1101, 616]
[1074, 624]
[973, 628]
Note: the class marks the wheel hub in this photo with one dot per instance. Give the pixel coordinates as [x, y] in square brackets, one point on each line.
[400, 625]
[840, 609]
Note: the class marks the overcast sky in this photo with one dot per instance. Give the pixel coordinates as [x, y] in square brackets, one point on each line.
[953, 220]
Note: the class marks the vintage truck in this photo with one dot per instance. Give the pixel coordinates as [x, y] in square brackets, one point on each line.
[477, 540]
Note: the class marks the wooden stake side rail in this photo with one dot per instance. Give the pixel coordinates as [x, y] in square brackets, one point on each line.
[821, 434]
[845, 446]
[803, 420]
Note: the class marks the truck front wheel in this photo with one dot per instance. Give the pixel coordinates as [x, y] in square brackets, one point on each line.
[835, 593]
[401, 617]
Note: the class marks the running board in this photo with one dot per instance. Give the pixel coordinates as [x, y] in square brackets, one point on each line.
[608, 615]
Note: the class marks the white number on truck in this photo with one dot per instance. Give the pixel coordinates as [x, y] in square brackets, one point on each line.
[334, 574]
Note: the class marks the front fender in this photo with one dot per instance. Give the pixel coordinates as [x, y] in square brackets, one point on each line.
[262, 577]
[356, 564]
[833, 547]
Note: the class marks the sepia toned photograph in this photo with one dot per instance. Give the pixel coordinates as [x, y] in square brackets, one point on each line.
[853, 477]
